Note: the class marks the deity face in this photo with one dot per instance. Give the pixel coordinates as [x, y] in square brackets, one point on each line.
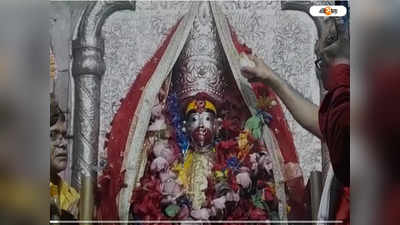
[201, 127]
[58, 147]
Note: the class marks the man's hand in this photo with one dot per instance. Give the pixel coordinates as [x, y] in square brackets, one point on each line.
[260, 72]
[303, 111]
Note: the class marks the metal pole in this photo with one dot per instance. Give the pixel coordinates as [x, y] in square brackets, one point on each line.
[88, 67]
[316, 191]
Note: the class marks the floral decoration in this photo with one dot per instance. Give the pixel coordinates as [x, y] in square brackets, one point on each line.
[240, 186]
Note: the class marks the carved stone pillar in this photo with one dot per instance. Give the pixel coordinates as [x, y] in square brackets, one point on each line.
[88, 68]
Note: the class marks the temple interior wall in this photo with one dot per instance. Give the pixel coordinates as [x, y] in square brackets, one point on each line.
[285, 39]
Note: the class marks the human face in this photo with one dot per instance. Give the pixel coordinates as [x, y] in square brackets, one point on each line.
[328, 35]
[201, 128]
[58, 147]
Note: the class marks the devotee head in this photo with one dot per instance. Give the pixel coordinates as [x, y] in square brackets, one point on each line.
[201, 122]
[333, 45]
[58, 142]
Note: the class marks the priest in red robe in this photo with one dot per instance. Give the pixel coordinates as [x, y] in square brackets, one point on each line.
[331, 120]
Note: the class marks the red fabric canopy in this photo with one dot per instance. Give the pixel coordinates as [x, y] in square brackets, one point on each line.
[112, 179]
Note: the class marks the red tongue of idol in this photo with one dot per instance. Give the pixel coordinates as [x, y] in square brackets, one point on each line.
[202, 136]
[201, 132]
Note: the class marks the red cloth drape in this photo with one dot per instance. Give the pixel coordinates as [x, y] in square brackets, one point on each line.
[113, 178]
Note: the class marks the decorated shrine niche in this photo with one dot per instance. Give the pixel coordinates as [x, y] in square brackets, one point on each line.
[193, 140]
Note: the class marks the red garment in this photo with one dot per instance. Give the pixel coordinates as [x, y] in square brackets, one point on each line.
[343, 210]
[390, 205]
[334, 122]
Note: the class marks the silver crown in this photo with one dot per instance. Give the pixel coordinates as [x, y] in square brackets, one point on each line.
[202, 64]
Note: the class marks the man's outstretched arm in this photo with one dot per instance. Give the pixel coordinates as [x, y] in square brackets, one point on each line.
[303, 111]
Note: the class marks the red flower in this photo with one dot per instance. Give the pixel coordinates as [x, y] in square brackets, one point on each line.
[232, 181]
[246, 161]
[224, 150]
[241, 212]
[228, 145]
[268, 195]
[257, 214]
[218, 167]
[230, 128]
[147, 198]
[260, 89]
[261, 184]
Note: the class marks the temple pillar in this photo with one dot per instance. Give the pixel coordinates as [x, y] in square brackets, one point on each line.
[88, 67]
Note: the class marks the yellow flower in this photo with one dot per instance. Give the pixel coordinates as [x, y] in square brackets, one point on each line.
[272, 186]
[244, 145]
[265, 102]
[183, 170]
[243, 139]
[221, 175]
